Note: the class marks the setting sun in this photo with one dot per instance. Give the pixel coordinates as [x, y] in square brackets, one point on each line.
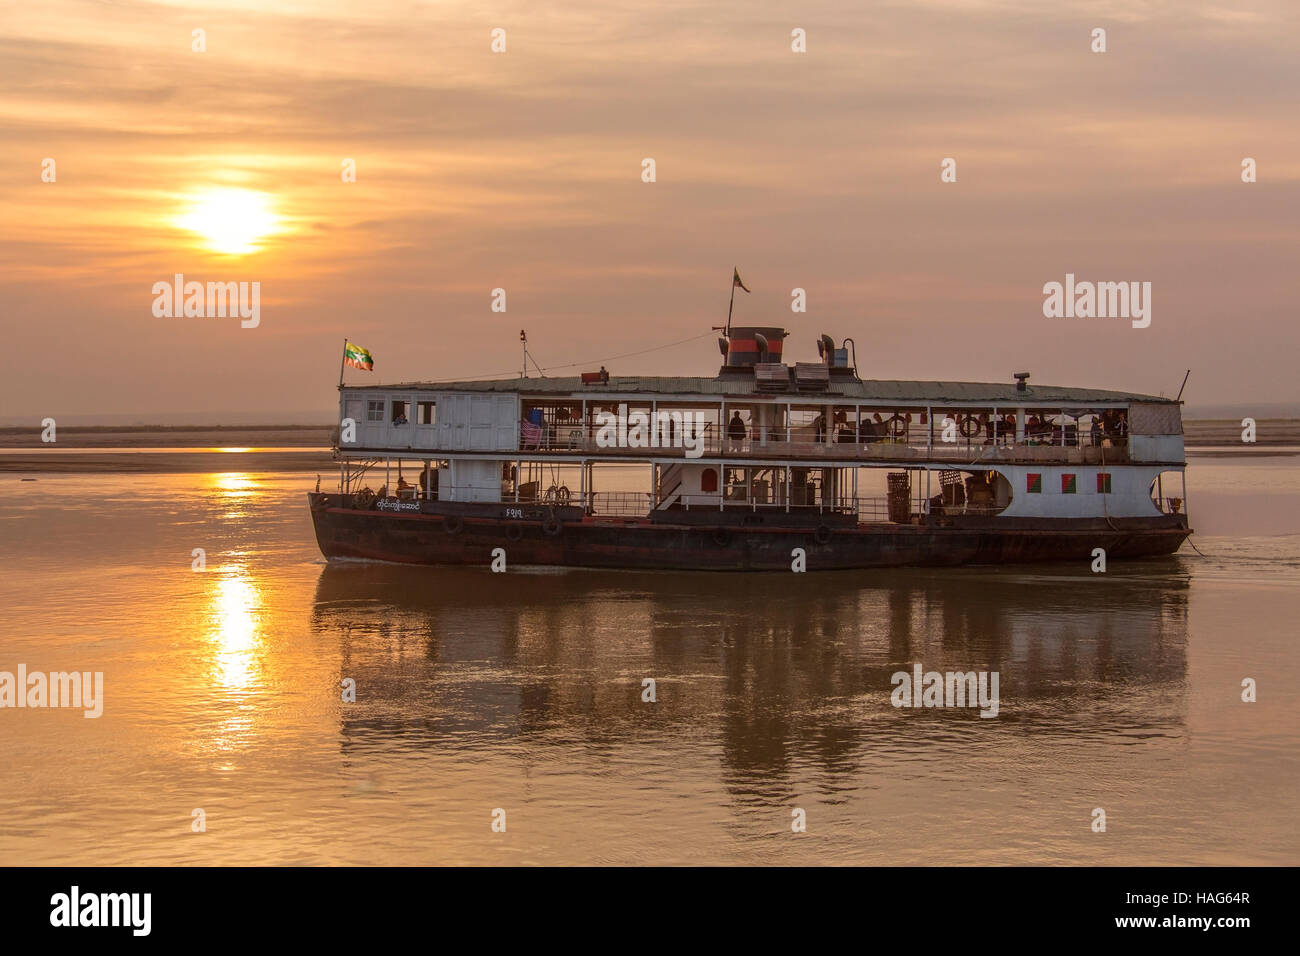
[231, 221]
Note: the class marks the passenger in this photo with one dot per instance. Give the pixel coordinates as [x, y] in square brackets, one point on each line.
[1110, 424]
[842, 431]
[1094, 432]
[880, 426]
[736, 430]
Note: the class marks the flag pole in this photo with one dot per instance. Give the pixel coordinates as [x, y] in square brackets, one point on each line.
[343, 356]
[732, 302]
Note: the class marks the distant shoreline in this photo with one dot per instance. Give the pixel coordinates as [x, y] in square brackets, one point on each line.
[306, 448]
[171, 436]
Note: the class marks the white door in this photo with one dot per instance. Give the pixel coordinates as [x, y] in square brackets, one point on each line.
[480, 424]
[459, 421]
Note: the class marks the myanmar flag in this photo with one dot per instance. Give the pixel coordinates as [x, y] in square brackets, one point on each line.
[357, 357]
[735, 279]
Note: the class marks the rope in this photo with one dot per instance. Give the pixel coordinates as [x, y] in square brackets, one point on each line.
[1105, 505]
[611, 358]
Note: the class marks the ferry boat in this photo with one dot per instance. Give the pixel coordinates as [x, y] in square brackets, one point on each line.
[767, 465]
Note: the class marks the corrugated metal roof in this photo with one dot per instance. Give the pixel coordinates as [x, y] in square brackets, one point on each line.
[935, 393]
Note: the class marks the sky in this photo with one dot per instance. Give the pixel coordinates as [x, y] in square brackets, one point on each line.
[523, 170]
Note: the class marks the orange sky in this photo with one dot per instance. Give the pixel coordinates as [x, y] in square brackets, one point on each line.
[522, 170]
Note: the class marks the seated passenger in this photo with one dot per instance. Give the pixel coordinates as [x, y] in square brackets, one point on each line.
[874, 430]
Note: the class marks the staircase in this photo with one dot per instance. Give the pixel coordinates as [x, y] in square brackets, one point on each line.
[670, 487]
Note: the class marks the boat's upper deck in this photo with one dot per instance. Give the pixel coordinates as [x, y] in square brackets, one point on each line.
[758, 407]
[882, 393]
[752, 413]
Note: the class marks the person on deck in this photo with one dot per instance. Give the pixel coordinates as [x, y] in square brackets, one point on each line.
[736, 430]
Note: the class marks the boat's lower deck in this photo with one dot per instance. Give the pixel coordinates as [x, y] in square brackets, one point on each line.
[534, 535]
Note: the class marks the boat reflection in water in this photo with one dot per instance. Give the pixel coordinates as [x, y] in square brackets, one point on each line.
[763, 671]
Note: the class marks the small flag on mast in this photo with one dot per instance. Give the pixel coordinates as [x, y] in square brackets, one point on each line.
[357, 357]
[735, 279]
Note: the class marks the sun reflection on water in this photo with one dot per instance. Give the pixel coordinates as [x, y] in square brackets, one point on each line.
[236, 612]
[234, 488]
[234, 484]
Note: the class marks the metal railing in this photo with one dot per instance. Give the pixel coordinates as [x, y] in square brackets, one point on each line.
[806, 441]
[619, 504]
[630, 504]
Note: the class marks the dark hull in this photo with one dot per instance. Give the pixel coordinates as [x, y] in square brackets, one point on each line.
[469, 534]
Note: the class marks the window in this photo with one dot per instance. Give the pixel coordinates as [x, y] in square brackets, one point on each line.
[399, 412]
[1034, 484]
[374, 411]
[1068, 485]
[1103, 483]
[425, 413]
[709, 481]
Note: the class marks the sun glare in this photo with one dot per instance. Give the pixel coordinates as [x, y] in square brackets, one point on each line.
[231, 221]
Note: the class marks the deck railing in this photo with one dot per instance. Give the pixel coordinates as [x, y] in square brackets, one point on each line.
[805, 442]
[628, 504]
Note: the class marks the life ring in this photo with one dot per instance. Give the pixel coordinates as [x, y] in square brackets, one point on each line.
[823, 534]
[721, 537]
[970, 426]
[514, 531]
[453, 524]
[897, 426]
[363, 500]
[551, 526]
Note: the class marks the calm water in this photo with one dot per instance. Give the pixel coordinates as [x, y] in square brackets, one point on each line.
[523, 691]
